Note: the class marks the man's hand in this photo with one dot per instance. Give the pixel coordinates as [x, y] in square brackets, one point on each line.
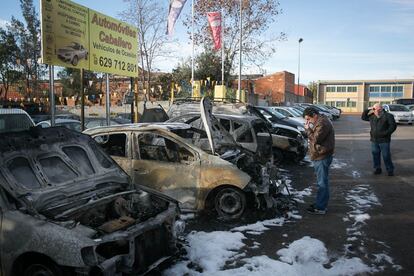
[370, 112]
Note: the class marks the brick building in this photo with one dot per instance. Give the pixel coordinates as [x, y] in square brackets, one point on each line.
[304, 94]
[281, 89]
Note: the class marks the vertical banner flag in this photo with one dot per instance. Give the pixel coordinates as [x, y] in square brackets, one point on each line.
[175, 9]
[214, 21]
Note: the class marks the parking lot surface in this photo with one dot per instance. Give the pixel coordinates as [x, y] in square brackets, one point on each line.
[368, 228]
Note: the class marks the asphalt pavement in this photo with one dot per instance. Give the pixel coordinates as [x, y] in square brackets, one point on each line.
[370, 217]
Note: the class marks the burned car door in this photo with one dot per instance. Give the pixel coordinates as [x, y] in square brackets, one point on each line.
[168, 166]
[116, 145]
[243, 134]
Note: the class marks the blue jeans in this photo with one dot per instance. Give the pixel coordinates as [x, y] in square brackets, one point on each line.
[382, 148]
[322, 173]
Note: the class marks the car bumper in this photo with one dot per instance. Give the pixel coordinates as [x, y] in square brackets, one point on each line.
[137, 250]
[404, 120]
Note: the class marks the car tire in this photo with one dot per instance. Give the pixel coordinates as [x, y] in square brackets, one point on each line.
[43, 268]
[278, 156]
[75, 60]
[230, 203]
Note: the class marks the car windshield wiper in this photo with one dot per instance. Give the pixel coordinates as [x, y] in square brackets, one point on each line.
[92, 202]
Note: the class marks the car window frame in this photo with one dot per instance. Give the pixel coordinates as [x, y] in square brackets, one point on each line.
[136, 152]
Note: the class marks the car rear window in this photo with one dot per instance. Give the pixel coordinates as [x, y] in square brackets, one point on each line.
[14, 122]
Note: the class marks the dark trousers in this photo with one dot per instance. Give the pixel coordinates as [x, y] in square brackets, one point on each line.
[383, 149]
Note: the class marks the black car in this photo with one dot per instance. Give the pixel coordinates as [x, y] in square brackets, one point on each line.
[275, 117]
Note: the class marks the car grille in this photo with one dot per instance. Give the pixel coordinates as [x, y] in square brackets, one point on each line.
[150, 247]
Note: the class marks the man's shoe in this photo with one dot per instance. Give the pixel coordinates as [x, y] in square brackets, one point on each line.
[315, 211]
[378, 171]
[390, 173]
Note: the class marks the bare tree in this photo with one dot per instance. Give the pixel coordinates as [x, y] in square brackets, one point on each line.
[150, 18]
[258, 42]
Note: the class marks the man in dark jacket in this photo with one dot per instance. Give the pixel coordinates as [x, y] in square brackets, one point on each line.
[321, 137]
[382, 126]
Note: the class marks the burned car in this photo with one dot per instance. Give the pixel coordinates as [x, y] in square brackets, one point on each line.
[67, 208]
[247, 126]
[164, 157]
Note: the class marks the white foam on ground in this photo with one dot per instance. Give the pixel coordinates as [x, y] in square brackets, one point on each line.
[306, 256]
[260, 226]
[336, 164]
[210, 251]
[356, 174]
[361, 199]
[187, 216]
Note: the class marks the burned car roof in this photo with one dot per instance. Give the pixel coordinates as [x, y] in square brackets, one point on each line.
[166, 125]
[184, 106]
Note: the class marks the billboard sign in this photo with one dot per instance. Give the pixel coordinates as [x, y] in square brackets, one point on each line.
[79, 37]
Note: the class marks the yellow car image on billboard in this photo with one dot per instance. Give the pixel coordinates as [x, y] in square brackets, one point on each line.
[72, 53]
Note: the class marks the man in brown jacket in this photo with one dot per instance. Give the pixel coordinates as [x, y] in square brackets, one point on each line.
[321, 137]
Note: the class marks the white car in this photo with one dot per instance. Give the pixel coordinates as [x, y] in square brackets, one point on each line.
[400, 112]
[72, 53]
[290, 112]
[411, 108]
[68, 123]
[14, 119]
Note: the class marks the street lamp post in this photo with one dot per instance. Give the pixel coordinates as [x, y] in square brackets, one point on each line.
[299, 41]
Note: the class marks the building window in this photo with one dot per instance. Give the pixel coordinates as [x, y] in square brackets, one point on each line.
[351, 104]
[352, 89]
[374, 89]
[330, 89]
[385, 88]
[398, 88]
[386, 91]
[340, 104]
[341, 89]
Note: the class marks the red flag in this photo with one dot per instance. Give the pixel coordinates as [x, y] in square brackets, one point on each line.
[214, 21]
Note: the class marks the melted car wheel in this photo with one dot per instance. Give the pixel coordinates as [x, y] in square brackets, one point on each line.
[230, 203]
[42, 269]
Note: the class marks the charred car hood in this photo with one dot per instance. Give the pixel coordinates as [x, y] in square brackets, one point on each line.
[40, 166]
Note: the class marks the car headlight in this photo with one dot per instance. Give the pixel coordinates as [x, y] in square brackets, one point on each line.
[301, 129]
